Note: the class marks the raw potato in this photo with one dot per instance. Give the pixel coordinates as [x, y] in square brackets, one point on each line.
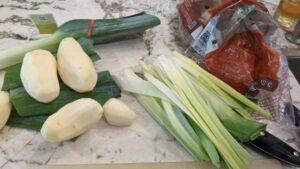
[5, 108]
[72, 120]
[39, 75]
[118, 113]
[75, 67]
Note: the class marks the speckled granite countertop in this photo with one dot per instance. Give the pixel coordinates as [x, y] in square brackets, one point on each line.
[145, 140]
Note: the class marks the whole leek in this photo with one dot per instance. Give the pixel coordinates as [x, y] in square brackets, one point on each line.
[103, 30]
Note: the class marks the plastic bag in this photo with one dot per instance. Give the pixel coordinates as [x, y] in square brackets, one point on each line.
[234, 45]
[194, 16]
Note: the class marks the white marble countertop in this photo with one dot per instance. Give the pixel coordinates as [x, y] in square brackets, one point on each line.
[145, 140]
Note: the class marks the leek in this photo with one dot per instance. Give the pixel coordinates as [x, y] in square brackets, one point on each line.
[104, 30]
[247, 130]
[172, 118]
[204, 116]
[33, 123]
[196, 107]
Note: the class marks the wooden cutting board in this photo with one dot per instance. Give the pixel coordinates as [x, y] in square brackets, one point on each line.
[258, 164]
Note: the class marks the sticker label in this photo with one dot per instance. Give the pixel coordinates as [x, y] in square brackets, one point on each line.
[208, 39]
[266, 84]
[196, 33]
[45, 23]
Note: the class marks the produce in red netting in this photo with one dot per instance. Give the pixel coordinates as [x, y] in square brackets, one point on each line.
[234, 46]
[245, 61]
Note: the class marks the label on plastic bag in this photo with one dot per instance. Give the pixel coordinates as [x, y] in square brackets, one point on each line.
[267, 84]
[208, 39]
[197, 32]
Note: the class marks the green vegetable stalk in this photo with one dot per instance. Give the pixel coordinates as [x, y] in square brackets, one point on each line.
[102, 31]
[196, 107]
[33, 122]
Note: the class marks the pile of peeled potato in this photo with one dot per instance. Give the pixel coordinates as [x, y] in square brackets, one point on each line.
[40, 80]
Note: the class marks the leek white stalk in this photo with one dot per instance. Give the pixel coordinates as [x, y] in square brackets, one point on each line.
[15, 55]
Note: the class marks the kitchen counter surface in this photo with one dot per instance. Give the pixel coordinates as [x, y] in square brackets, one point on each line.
[145, 140]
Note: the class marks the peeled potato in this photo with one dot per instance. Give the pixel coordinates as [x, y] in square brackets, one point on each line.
[118, 113]
[72, 120]
[75, 67]
[39, 75]
[5, 108]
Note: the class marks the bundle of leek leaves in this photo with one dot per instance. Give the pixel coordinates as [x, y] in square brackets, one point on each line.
[203, 113]
[31, 114]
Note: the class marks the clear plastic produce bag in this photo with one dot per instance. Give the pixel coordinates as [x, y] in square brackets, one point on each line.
[231, 39]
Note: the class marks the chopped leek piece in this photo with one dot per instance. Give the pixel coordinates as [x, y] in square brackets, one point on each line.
[33, 122]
